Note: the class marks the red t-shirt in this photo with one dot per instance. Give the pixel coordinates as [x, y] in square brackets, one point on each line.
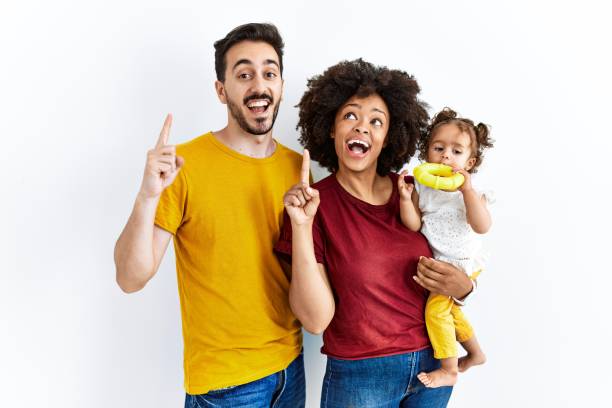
[370, 258]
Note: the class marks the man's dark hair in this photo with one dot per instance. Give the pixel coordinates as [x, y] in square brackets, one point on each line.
[262, 32]
[326, 93]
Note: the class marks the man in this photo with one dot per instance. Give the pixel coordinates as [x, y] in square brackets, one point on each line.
[220, 196]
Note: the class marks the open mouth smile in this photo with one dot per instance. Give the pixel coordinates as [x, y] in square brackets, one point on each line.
[358, 147]
[258, 106]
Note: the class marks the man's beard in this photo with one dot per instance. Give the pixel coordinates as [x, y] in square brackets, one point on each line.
[260, 128]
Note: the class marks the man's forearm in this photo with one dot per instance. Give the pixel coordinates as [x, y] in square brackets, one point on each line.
[134, 256]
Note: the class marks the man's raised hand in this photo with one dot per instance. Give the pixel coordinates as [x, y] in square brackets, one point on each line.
[162, 164]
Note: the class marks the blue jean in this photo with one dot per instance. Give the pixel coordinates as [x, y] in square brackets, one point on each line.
[382, 382]
[283, 389]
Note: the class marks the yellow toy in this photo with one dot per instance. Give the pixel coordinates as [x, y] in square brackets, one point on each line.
[438, 176]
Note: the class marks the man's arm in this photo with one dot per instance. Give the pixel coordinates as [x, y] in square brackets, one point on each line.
[141, 245]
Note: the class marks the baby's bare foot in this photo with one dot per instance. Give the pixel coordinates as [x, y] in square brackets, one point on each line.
[470, 360]
[438, 378]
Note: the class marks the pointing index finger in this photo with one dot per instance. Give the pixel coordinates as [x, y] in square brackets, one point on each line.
[305, 172]
[165, 132]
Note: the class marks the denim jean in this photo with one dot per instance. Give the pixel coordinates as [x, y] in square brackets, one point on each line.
[382, 382]
[284, 389]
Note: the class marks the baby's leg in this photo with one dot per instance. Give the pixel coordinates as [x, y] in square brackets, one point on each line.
[443, 376]
[474, 356]
[441, 330]
[467, 338]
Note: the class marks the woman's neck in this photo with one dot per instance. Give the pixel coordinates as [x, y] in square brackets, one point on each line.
[366, 185]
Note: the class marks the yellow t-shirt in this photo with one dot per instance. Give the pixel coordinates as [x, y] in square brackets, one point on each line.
[225, 212]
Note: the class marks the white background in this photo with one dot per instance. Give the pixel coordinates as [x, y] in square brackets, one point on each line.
[84, 87]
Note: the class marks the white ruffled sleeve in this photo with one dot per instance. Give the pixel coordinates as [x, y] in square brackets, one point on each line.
[488, 195]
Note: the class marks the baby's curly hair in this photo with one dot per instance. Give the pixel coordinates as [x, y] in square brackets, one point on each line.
[479, 134]
[326, 93]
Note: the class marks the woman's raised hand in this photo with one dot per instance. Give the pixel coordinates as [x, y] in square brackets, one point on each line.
[302, 201]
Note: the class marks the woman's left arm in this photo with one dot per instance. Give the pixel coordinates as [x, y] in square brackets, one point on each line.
[443, 278]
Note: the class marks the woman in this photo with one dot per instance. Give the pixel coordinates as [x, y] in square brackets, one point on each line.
[353, 262]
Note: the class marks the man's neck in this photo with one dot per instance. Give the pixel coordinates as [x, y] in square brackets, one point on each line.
[256, 146]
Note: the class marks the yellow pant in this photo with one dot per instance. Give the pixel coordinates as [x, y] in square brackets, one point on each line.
[446, 324]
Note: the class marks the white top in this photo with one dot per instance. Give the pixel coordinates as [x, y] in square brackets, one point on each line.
[445, 226]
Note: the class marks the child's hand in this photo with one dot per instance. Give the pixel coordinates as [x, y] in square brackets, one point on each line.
[467, 184]
[405, 189]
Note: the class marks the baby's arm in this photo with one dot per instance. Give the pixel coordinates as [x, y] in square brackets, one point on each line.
[409, 204]
[476, 211]
[475, 206]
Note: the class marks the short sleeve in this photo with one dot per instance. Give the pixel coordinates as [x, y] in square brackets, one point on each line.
[283, 246]
[418, 187]
[171, 208]
[488, 195]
